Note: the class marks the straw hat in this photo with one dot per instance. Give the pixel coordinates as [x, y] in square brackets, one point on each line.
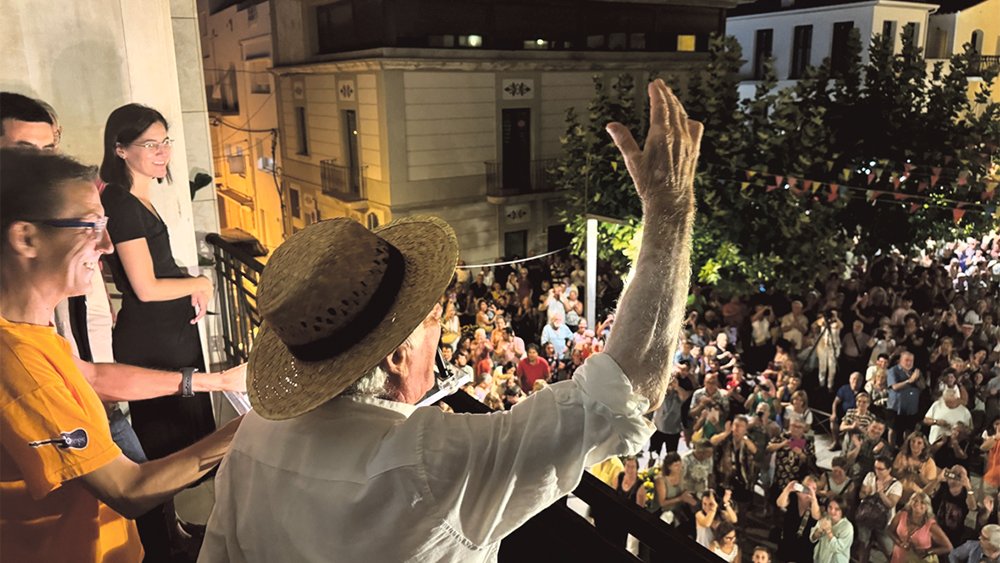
[336, 299]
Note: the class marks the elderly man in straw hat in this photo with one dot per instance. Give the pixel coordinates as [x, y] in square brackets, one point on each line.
[336, 464]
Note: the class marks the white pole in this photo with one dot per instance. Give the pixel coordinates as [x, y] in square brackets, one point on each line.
[591, 303]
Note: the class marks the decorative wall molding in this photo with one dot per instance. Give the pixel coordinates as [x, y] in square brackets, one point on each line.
[518, 89]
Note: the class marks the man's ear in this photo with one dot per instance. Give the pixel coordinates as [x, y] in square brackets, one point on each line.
[22, 237]
[396, 362]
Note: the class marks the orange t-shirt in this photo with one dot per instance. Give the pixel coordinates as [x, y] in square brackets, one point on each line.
[53, 429]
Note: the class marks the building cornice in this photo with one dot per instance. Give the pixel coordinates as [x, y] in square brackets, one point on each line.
[468, 60]
[834, 8]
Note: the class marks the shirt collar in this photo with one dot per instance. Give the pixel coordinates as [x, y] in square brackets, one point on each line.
[402, 408]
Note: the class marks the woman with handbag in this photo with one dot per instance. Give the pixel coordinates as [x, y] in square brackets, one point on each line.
[916, 534]
[914, 466]
[880, 492]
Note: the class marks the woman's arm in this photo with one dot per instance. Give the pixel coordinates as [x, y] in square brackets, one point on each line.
[138, 264]
[704, 519]
[940, 544]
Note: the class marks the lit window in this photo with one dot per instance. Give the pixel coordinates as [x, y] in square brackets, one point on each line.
[685, 43]
[536, 44]
[474, 41]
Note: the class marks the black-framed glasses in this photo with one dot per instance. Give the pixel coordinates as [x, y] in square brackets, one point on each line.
[153, 145]
[96, 227]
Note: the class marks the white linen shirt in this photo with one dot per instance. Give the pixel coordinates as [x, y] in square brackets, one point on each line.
[372, 480]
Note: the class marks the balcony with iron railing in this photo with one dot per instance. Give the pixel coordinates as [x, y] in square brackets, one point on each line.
[341, 182]
[507, 181]
[558, 533]
[984, 64]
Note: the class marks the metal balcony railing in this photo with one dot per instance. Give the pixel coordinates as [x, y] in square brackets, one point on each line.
[238, 274]
[340, 182]
[985, 63]
[509, 180]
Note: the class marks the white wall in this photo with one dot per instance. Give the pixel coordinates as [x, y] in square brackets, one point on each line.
[451, 124]
[867, 17]
[560, 91]
[87, 57]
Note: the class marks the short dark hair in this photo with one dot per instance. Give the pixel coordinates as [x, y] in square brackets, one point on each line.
[123, 127]
[29, 185]
[533, 346]
[22, 108]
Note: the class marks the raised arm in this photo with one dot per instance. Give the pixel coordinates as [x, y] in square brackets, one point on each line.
[651, 309]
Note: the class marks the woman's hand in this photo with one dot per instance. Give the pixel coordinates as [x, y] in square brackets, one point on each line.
[199, 300]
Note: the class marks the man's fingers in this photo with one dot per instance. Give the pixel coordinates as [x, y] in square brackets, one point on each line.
[626, 145]
[678, 117]
[696, 130]
[657, 104]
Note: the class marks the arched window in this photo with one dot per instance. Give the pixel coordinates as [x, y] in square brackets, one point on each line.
[372, 221]
[977, 41]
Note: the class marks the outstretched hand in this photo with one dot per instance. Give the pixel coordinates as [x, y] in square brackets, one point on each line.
[663, 171]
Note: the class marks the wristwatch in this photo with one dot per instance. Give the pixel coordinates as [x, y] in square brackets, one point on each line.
[187, 385]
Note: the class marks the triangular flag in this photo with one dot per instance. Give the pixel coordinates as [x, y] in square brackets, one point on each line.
[957, 214]
[934, 179]
[895, 181]
[900, 196]
[792, 181]
[744, 186]
[845, 174]
[936, 170]
[778, 180]
[914, 207]
[878, 172]
[922, 186]
[751, 174]
[908, 167]
[808, 185]
[834, 193]
[990, 186]
[771, 189]
[963, 177]
[829, 165]
[871, 195]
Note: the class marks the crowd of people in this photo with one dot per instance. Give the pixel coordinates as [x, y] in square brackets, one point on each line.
[895, 359]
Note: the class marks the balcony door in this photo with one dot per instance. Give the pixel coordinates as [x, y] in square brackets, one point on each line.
[516, 149]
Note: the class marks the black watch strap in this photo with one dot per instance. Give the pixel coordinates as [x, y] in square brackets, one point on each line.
[187, 385]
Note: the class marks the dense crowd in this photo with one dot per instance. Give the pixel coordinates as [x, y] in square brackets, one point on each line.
[895, 359]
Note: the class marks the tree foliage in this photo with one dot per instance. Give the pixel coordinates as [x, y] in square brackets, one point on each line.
[891, 125]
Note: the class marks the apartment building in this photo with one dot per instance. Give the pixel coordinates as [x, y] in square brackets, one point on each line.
[455, 108]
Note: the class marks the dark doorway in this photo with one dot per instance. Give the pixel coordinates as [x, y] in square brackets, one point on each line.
[516, 150]
[354, 172]
[558, 237]
[515, 243]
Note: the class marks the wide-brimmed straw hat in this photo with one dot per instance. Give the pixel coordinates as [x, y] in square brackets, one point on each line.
[336, 299]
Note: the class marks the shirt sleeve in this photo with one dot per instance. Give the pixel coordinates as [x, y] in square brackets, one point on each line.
[510, 465]
[34, 425]
[124, 215]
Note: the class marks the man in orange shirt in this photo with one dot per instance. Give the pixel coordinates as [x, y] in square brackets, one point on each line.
[64, 484]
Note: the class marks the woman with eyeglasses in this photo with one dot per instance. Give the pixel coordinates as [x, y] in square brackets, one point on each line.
[161, 302]
[833, 534]
[68, 490]
[726, 546]
[887, 490]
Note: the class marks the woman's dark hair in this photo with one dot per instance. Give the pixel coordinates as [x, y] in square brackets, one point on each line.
[123, 127]
[31, 181]
[670, 459]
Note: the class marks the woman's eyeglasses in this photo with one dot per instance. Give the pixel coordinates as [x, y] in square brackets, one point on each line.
[154, 146]
[94, 228]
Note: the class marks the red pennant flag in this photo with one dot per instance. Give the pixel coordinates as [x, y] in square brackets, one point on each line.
[792, 181]
[963, 177]
[771, 188]
[922, 186]
[900, 197]
[834, 193]
[895, 181]
[936, 170]
[914, 207]
[778, 180]
[957, 214]
[871, 177]
[806, 184]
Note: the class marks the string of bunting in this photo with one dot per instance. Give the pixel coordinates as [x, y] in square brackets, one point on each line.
[874, 174]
